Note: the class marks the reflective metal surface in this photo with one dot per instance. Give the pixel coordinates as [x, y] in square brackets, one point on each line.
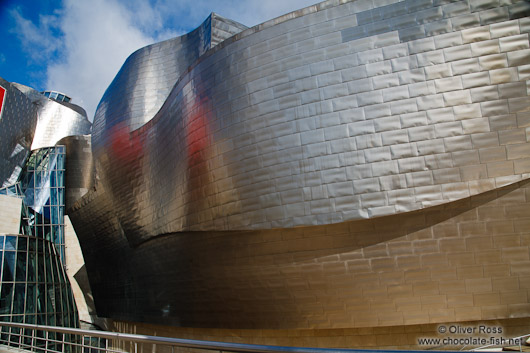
[149, 74]
[332, 113]
[463, 261]
[31, 121]
[351, 164]
[80, 175]
[17, 128]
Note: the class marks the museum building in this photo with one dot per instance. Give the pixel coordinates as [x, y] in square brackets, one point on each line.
[352, 174]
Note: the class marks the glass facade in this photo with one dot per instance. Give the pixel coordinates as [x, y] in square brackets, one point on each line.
[57, 96]
[34, 287]
[41, 186]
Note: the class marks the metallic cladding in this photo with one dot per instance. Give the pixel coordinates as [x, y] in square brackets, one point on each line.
[17, 129]
[462, 261]
[55, 119]
[149, 74]
[80, 176]
[337, 112]
[31, 121]
[345, 165]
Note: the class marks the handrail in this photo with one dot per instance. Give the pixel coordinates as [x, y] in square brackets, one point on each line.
[199, 344]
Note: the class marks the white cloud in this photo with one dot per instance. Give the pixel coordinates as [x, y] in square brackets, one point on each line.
[98, 37]
[87, 42]
[36, 39]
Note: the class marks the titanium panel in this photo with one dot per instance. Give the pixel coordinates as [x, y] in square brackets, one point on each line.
[304, 174]
[17, 129]
[31, 121]
[235, 120]
[79, 165]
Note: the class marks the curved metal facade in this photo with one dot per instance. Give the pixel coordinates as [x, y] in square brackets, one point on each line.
[30, 121]
[338, 114]
[339, 166]
[147, 77]
[17, 128]
[79, 163]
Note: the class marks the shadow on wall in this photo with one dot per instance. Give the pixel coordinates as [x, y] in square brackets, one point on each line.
[305, 277]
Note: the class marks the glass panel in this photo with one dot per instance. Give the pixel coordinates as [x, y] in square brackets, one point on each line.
[47, 230]
[37, 179]
[54, 199]
[40, 267]
[50, 299]
[64, 297]
[41, 298]
[11, 243]
[9, 267]
[55, 215]
[6, 296]
[60, 177]
[49, 273]
[30, 299]
[32, 269]
[51, 318]
[32, 245]
[18, 303]
[58, 234]
[22, 244]
[62, 254]
[21, 267]
[60, 196]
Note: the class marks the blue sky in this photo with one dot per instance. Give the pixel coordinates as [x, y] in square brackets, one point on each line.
[78, 46]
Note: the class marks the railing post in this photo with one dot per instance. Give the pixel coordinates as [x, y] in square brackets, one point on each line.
[20, 340]
[32, 339]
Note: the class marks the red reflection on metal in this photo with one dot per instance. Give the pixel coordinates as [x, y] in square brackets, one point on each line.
[2, 97]
[197, 135]
[124, 145]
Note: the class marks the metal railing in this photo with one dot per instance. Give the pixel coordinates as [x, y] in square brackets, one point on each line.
[52, 339]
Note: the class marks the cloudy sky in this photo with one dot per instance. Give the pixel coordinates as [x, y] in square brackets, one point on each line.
[78, 46]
